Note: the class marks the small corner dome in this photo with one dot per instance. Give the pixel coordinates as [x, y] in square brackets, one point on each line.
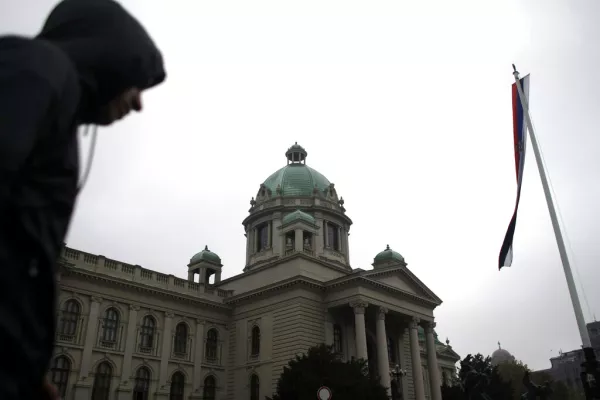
[206, 255]
[501, 355]
[388, 255]
[298, 215]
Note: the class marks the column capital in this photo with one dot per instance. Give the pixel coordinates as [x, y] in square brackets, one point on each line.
[199, 321]
[169, 314]
[96, 299]
[414, 322]
[429, 326]
[381, 311]
[133, 307]
[359, 306]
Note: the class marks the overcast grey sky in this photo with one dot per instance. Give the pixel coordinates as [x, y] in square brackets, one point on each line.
[405, 106]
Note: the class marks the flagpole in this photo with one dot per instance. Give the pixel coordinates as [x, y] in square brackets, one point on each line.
[585, 338]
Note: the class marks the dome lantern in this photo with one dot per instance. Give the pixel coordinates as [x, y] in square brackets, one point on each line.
[296, 154]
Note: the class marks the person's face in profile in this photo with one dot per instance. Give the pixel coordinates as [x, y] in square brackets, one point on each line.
[120, 106]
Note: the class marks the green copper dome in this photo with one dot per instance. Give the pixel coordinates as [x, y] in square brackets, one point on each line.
[296, 179]
[388, 255]
[298, 216]
[206, 255]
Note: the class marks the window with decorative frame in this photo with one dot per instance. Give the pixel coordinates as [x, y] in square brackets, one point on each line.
[102, 381]
[255, 341]
[181, 338]
[141, 384]
[210, 388]
[110, 325]
[147, 334]
[177, 389]
[69, 318]
[212, 344]
[59, 371]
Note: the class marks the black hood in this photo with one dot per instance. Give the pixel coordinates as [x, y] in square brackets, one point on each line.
[110, 49]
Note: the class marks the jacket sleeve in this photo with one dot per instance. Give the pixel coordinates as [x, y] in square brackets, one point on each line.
[25, 106]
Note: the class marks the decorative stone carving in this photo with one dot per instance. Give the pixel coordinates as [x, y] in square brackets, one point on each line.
[381, 311]
[414, 322]
[359, 306]
[96, 299]
[133, 307]
[169, 314]
[429, 326]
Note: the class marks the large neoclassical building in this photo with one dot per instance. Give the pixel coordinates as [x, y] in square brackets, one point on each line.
[126, 332]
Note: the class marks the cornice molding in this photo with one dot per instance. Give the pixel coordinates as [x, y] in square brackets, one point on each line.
[276, 260]
[380, 285]
[404, 271]
[138, 286]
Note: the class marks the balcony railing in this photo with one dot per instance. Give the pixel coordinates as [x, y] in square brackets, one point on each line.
[70, 328]
[109, 337]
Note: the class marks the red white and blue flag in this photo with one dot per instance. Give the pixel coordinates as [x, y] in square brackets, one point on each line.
[520, 139]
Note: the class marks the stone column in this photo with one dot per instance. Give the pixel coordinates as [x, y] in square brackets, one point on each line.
[360, 329]
[339, 239]
[130, 343]
[91, 333]
[347, 245]
[217, 277]
[198, 354]
[191, 276]
[382, 351]
[328, 329]
[165, 350]
[254, 241]
[327, 244]
[415, 353]
[269, 227]
[298, 244]
[432, 363]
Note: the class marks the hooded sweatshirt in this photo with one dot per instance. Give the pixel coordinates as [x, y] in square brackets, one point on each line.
[88, 52]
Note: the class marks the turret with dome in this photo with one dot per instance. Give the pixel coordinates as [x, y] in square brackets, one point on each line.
[297, 211]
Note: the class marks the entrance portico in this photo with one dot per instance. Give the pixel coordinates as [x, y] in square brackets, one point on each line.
[389, 325]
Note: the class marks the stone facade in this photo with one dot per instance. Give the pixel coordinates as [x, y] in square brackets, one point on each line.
[126, 332]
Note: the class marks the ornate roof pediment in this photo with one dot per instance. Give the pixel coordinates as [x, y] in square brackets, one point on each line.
[393, 279]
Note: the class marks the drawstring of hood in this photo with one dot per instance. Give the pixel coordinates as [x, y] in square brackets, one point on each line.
[90, 159]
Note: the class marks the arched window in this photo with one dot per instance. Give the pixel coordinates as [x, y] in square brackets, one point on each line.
[212, 340]
[101, 389]
[254, 387]
[142, 384]
[69, 318]
[111, 324]
[61, 367]
[147, 333]
[337, 338]
[391, 350]
[181, 337]
[177, 386]
[255, 341]
[209, 388]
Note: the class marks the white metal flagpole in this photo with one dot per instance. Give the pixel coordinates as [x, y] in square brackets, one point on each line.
[585, 338]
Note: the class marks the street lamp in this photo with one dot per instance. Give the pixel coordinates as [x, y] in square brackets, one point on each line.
[396, 374]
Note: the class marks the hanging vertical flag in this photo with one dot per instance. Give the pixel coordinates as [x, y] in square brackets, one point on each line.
[520, 139]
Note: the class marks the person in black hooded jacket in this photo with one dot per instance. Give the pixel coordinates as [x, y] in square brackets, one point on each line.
[88, 66]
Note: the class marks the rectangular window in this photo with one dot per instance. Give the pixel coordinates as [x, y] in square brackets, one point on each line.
[333, 237]
[263, 237]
